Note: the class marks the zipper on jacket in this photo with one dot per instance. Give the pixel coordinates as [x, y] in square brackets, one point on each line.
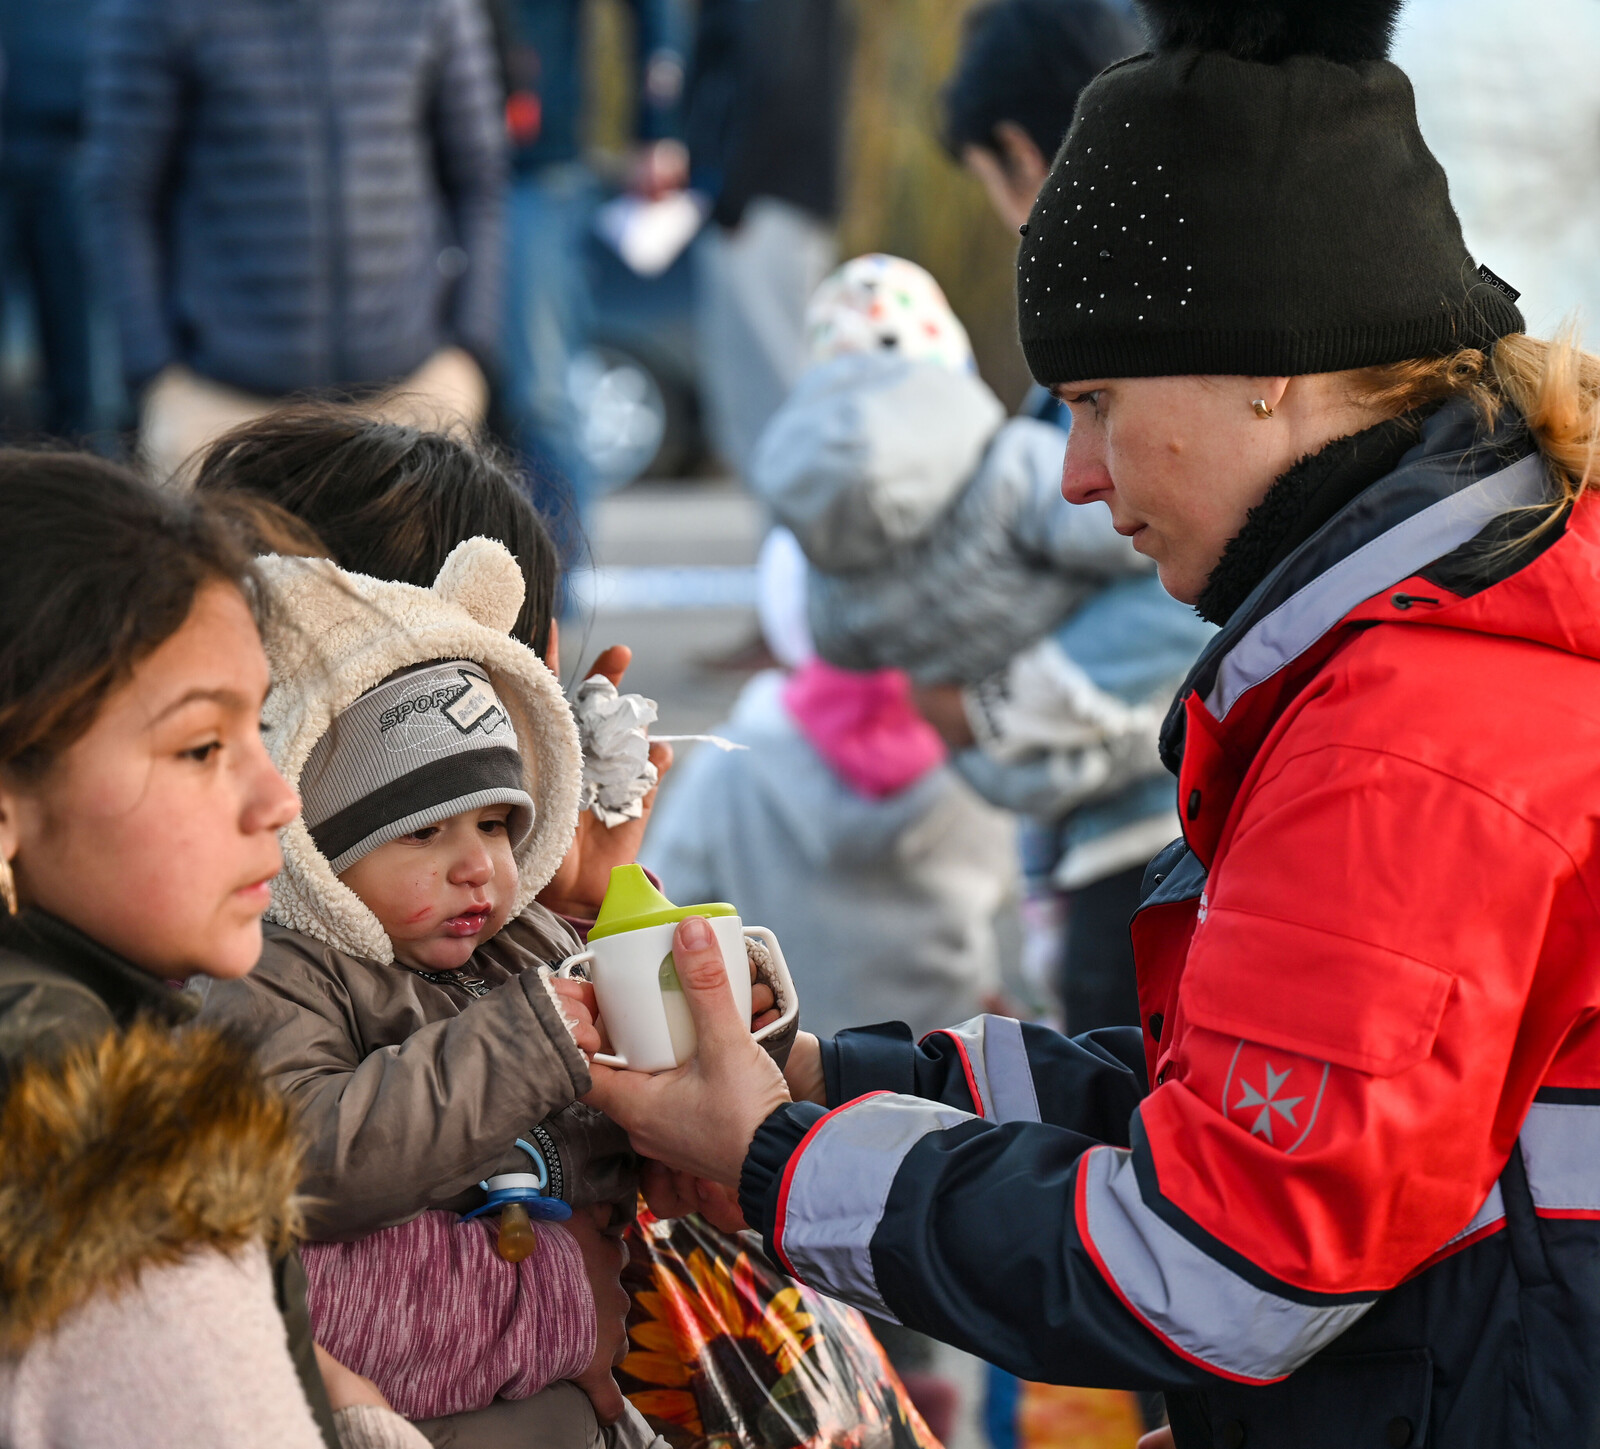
[1405, 601]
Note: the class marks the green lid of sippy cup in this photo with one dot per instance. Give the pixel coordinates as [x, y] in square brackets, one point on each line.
[632, 903]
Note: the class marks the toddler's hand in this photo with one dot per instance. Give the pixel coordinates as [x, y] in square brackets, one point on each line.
[579, 884]
[672, 1194]
[763, 1003]
[604, 1256]
[578, 1006]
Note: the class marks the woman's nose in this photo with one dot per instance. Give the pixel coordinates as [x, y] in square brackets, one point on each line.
[1083, 471]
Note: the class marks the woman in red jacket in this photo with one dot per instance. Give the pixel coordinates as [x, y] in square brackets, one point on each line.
[1346, 1188]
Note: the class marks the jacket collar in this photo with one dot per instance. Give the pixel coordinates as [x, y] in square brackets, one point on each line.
[127, 991]
[1299, 503]
[1449, 490]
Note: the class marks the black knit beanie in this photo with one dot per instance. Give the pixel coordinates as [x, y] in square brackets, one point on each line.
[1250, 196]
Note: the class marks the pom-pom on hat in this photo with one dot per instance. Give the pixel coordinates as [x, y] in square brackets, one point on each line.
[1252, 195]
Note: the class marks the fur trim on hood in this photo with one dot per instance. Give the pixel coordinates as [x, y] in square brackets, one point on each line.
[129, 1153]
[333, 635]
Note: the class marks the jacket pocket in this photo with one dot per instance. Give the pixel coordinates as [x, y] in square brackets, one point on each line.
[1309, 991]
[1368, 1401]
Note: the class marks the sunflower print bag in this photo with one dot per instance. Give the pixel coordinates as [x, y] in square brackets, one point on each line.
[727, 1352]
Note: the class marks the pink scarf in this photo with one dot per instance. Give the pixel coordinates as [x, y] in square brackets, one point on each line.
[863, 725]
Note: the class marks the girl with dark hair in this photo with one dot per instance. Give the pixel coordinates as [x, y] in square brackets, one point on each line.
[147, 1206]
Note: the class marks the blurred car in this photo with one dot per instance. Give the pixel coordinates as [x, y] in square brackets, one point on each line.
[635, 387]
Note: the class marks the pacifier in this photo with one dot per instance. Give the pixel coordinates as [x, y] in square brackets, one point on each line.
[519, 1197]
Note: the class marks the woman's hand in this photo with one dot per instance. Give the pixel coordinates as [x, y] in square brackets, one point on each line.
[698, 1118]
[670, 1194]
[604, 1257]
[579, 886]
[345, 1387]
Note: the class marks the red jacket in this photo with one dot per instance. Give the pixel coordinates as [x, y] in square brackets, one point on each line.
[1360, 1202]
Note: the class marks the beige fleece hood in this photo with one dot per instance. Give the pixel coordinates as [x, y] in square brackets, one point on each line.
[333, 635]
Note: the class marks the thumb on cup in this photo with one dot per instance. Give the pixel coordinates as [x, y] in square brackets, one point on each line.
[704, 978]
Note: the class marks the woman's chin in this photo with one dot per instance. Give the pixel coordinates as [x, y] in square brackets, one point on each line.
[1180, 582]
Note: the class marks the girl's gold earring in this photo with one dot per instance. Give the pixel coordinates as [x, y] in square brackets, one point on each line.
[8, 886]
[1262, 410]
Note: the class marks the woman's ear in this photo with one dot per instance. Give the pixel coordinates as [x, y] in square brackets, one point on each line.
[552, 650]
[1271, 391]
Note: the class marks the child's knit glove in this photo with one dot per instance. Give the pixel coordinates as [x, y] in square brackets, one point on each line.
[778, 1045]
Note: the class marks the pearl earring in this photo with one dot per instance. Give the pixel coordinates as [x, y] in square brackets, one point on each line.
[1262, 410]
[8, 887]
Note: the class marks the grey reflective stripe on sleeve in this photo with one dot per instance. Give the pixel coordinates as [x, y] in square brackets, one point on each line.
[838, 1184]
[1005, 1058]
[1199, 1307]
[1303, 618]
[997, 1067]
[1561, 1150]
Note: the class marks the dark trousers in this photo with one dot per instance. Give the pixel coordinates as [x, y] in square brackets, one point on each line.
[1097, 981]
[41, 241]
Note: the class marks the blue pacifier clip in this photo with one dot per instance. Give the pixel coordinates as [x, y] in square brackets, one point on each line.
[527, 1188]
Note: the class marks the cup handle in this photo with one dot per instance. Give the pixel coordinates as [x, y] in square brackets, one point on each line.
[762, 934]
[565, 972]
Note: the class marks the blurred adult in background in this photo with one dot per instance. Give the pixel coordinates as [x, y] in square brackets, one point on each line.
[1054, 717]
[1507, 100]
[296, 198]
[41, 222]
[553, 197]
[766, 106]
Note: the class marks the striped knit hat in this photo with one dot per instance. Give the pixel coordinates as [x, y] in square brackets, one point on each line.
[427, 744]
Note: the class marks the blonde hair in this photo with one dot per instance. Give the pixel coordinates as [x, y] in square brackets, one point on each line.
[1553, 385]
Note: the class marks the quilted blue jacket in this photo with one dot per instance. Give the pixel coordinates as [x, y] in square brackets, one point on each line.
[296, 194]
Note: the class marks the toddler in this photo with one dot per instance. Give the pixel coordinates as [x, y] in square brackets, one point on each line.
[400, 1001]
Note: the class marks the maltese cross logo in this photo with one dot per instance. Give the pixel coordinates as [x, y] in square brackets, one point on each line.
[1269, 1102]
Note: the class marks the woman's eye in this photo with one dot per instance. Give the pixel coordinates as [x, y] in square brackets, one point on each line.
[1091, 399]
[425, 834]
[200, 754]
[490, 826]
